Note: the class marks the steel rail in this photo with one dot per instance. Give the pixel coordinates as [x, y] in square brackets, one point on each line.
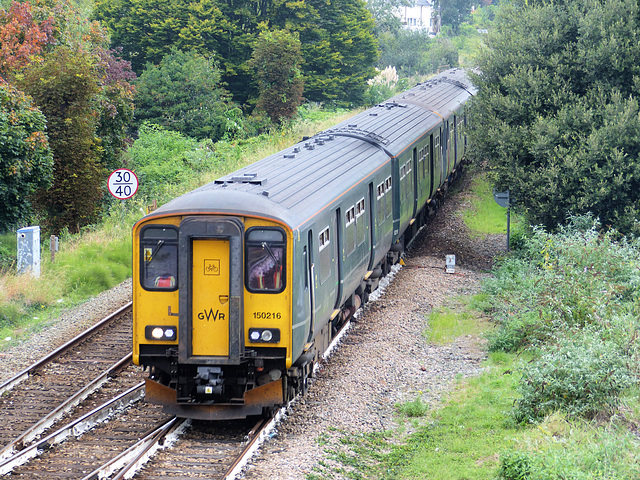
[133, 457]
[258, 432]
[23, 375]
[76, 428]
[35, 430]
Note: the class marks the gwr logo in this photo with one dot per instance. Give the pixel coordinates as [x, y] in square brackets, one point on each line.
[210, 315]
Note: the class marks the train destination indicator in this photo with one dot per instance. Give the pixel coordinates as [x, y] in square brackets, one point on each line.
[122, 183]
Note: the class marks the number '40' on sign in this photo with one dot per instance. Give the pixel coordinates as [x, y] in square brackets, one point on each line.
[122, 183]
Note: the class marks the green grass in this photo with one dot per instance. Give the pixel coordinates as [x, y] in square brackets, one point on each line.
[461, 440]
[485, 216]
[446, 324]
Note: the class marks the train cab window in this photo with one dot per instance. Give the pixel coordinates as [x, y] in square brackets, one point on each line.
[265, 255]
[159, 258]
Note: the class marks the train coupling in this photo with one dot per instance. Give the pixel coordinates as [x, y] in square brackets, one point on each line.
[209, 381]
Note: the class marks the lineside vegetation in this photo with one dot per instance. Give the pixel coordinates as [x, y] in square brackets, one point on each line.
[558, 396]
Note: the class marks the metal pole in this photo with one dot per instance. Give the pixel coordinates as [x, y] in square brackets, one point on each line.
[508, 225]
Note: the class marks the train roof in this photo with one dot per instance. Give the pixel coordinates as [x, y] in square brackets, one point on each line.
[295, 184]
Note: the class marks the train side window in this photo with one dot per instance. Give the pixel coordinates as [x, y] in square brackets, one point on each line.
[265, 260]
[380, 211]
[388, 205]
[324, 242]
[159, 258]
[350, 229]
[361, 225]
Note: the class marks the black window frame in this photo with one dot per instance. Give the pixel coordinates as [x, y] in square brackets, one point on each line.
[250, 243]
[146, 243]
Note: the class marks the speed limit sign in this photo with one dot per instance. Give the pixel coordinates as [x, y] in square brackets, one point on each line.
[123, 183]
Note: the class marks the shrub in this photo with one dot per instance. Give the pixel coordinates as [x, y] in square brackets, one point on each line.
[515, 465]
[582, 376]
[161, 157]
[414, 408]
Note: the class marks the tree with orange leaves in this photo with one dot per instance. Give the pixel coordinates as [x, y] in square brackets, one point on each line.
[22, 38]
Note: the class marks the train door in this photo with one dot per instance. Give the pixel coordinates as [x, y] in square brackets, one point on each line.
[372, 225]
[210, 296]
[310, 283]
[455, 140]
[416, 182]
[211, 307]
[338, 249]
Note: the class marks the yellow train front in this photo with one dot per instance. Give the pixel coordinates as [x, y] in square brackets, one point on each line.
[240, 286]
[212, 311]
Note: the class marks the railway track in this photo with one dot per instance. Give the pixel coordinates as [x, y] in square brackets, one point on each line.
[41, 395]
[132, 442]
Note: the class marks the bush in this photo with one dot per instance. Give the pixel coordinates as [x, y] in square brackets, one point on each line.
[515, 465]
[185, 93]
[161, 157]
[582, 376]
[414, 408]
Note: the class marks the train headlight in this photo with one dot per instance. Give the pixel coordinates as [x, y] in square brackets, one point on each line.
[264, 335]
[167, 333]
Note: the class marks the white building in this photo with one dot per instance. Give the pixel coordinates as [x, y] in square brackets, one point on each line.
[419, 16]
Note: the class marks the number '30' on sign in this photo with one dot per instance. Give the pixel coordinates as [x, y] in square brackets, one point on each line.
[122, 183]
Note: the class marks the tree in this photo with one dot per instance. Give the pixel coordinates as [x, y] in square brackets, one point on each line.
[340, 52]
[338, 44]
[22, 38]
[115, 100]
[383, 13]
[26, 162]
[557, 114]
[277, 59]
[65, 87]
[454, 12]
[185, 93]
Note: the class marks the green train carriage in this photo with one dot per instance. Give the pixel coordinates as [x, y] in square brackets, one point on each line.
[241, 284]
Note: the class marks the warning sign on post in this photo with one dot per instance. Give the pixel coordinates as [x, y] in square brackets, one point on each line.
[122, 183]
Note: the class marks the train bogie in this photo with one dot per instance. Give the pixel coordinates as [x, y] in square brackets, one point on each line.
[240, 285]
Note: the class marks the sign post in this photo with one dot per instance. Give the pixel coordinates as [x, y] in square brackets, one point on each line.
[122, 183]
[502, 199]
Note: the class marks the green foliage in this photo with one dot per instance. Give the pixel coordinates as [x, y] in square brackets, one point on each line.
[65, 86]
[406, 51]
[573, 451]
[485, 216]
[582, 376]
[414, 408]
[162, 158]
[416, 53]
[557, 111]
[116, 106]
[95, 268]
[26, 163]
[184, 93]
[573, 298]
[277, 59]
[454, 12]
[515, 465]
[446, 324]
[8, 251]
[338, 44]
[570, 280]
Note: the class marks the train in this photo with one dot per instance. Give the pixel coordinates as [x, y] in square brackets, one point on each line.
[240, 285]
